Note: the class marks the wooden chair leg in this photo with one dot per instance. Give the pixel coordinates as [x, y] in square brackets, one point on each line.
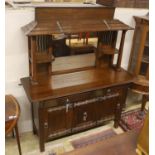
[18, 140]
[13, 134]
[144, 100]
[141, 114]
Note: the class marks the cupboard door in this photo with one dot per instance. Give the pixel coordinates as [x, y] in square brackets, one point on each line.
[84, 116]
[58, 121]
[106, 109]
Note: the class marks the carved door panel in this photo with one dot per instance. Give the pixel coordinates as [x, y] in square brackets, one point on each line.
[57, 121]
[84, 116]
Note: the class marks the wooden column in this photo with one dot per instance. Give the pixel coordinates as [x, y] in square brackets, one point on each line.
[119, 60]
[33, 59]
[50, 53]
[41, 115]
[145, 98]
[29, 55]
[144, 31]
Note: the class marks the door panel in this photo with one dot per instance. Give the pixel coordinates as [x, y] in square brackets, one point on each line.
[106, 109]
[84, 116]
[58, 121]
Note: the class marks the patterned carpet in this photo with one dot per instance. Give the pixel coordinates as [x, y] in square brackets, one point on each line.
[132, 120]
[93, 138]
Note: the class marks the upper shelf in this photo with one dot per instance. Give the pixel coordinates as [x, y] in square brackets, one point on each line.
[69, 27]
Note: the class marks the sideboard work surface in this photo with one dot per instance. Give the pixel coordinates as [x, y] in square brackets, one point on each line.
[69, 103]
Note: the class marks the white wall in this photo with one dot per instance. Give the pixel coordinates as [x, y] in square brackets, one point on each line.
[17, 58]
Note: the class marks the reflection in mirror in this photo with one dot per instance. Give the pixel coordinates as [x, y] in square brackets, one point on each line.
[74, 62]
[74, 44]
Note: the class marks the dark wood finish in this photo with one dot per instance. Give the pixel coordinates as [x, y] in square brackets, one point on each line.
[55, 86]
[40, 56]
[144, 100]
[125, 3]
[12, 112]
[106, 48]
[123, 144]
[55, 128]
[33, 66]
[68, 14]
[53, 24]
[139, 58]
[132, 3]
[106, 2]
[140, 85]
[59, 27]
[121, 50]
[140, 41]
[80, 103]
[71, 101]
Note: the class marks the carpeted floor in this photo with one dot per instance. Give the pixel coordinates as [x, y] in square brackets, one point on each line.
[30, 145]
[93, 138]
[132, 120]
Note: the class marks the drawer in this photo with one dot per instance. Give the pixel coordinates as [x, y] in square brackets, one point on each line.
[113, 90]
[70, 99]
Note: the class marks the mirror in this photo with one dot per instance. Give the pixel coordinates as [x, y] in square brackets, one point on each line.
[73, 52]
[66, 53]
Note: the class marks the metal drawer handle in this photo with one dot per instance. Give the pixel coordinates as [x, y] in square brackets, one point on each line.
[108, 90]
[68, 105]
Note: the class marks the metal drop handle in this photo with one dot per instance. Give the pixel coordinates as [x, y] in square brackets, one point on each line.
[108, 90]
[45, 125]
[67, 105]
[85, 115]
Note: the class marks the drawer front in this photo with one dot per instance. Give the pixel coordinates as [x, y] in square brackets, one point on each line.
[114, 90]
[70, 99]
[121, 90]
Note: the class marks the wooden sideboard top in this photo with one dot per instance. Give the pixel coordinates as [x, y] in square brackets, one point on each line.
[55, 86]
[74, 26]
